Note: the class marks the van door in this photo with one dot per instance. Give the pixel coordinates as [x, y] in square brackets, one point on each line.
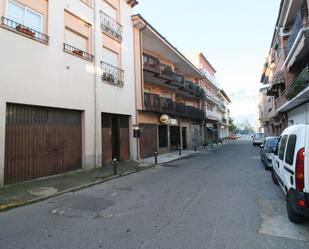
[280, 160]
[288, 164]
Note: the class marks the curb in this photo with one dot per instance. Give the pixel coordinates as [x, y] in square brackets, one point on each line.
[9, 206]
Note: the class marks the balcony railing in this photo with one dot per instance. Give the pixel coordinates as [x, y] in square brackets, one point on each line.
[155, 103]
[22, 29]
[300, 83]
[80, 53]
[111, 26]
[152, 102]
[301, 21]
[151, 63]
[178, 80]
[166, 71]
[112, 75]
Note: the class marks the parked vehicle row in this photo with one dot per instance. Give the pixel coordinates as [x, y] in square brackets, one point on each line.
[288, 161]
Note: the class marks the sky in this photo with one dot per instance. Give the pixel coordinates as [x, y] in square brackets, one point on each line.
[234, 35]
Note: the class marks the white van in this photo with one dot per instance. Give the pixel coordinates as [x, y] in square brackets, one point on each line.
[291, 170]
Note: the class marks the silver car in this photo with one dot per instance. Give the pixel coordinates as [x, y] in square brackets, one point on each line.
[258, 138]
[266, 151]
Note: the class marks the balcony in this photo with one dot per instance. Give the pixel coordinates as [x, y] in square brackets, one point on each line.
[166, 72]
[24, 30]
[112, 75]
[77, 52]
[301, 21]
[178, 80]
[300, 83]
[155, 103]
[111, 26]
[151, 63]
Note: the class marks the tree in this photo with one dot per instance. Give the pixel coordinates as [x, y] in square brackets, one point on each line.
[232, 127]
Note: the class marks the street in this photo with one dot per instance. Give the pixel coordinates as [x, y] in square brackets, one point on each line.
[219, 199]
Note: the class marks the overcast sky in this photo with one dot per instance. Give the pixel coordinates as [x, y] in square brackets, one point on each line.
[234, 35]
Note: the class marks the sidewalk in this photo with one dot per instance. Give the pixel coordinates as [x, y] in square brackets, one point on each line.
[28, 192]
[172, 156]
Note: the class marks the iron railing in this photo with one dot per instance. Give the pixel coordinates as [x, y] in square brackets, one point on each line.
[77, 52]
[111, 26]
[22, 29]
[166, 71]
[299, 84]
[301, 21]
[155, 103]
[112, 75]
[151, 63]
[178, 80]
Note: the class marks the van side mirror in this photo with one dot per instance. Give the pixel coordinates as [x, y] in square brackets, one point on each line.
[275, 151]
[261, 146]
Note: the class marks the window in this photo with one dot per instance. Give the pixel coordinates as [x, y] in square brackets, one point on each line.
[75, 40]
[189, 103]
[290, 149]
[110, 57]
[25, 16]
[166, 95]
[282, 146]
[109, 10]
[163, 136]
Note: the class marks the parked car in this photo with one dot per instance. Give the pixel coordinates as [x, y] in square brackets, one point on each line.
[266, 151]
[258, 138]
[291, 170]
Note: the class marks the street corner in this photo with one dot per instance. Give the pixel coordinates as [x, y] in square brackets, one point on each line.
[274, 221]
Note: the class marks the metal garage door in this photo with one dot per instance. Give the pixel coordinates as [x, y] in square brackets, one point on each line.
[41, 142]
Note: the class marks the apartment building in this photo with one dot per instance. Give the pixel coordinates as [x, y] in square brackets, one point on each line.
[65, 64]
[168, 94]
[216, 101]
[286, 69]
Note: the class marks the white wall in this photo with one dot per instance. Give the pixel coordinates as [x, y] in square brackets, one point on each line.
[38, 74]
[299, 115]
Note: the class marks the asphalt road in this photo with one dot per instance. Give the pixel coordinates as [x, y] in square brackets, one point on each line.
[221, 199]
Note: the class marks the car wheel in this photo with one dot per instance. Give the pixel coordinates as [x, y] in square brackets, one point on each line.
[292, 215]
[273, 177]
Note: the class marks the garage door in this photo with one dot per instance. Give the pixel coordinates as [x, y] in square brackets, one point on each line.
[148, 140]
[41, 142]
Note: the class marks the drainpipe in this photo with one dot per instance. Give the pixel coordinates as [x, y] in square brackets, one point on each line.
[95, 80]
[141, 62]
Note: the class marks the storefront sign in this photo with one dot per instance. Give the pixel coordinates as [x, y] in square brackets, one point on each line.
[173, 121]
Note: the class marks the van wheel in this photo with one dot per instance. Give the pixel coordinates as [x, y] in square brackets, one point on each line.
[292, 215]
[273, 177]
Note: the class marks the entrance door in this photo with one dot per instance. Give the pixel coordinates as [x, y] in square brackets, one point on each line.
[148, 140]
[184, 138]
[40, 142]
[174, 137]
[115, 137]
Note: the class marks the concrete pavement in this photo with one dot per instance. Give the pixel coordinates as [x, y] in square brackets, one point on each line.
[220, 199]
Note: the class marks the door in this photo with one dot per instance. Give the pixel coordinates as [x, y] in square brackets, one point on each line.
[280, 159]
[40, 142]
[148, 140]
[115, 137]
[184, 138]
[174, 138]
[289, 167]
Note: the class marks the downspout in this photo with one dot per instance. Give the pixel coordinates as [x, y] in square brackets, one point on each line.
[95, 80]
[141, 61]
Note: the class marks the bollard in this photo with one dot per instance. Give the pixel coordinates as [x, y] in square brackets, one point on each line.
[204, 145]
[115, 166]
[179, 150]
[195, 148]
[156, 157]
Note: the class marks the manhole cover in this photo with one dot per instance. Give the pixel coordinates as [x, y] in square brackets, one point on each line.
[43, 191]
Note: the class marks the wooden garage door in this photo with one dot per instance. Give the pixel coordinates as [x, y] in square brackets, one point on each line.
[148, 140]
[41, 142]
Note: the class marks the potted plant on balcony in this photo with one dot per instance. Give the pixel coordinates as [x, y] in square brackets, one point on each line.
[78, 52]
[22, 29]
